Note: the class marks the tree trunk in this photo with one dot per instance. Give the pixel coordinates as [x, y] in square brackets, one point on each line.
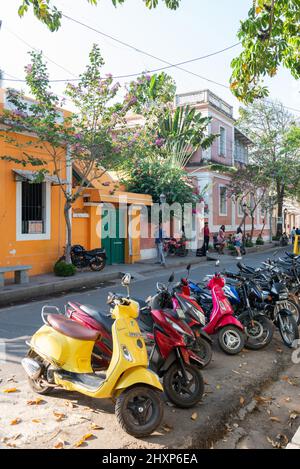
[252, 225]
[67, 209]
[263, 227]
[280, 198]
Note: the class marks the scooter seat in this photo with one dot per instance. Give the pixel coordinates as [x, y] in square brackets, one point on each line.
[99, 316]
[71, 328]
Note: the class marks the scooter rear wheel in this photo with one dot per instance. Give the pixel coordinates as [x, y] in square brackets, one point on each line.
[139, 410]
[231, 340]
[179, 392]
[39, 385]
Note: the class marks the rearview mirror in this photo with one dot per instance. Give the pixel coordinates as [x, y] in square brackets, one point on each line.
[126, 279]
[171, 278]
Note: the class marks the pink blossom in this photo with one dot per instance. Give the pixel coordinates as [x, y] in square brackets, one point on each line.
[159, 142]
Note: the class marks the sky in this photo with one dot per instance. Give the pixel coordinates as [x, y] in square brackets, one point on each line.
[197, 28]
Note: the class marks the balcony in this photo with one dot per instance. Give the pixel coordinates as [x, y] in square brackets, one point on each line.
[204, 97]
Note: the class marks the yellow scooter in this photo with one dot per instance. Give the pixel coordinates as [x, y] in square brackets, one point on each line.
[60, 356]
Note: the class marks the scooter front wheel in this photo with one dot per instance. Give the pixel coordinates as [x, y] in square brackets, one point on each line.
[183, 392]
[139, 410]
[231, 340]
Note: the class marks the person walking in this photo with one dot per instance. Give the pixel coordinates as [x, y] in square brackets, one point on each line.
[293, 234]
[206, 238]
[159, 242]
[238, 240]
[221, 239]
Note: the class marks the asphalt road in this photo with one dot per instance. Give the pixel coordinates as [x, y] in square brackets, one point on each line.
[230, 381]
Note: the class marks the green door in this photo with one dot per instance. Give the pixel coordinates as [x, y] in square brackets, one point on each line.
[113, 235]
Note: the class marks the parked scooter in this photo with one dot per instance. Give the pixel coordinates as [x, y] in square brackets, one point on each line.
[60, 356]
[171, 355]
[220, 319]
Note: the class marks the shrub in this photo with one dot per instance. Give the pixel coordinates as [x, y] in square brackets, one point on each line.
[62, 269]
[231, 247]
[259, 241]
[249, 243]
[275, 238]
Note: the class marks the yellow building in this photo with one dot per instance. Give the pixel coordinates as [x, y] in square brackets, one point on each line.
[32, 225]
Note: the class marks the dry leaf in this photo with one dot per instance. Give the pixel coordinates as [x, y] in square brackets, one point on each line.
[58, 416]
[275, 419]
[294, 414]
[242, 400]
[287, 399]
[16, 436]
[83, 439]
[9, 390]
[15, 421]
[262, 400]
[279, 350]
[36, 401]
[167, 428]
[194, 416]
[94, 426]
[36, 421]
[60, 444]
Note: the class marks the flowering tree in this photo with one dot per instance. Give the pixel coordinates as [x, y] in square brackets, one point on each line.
[87, 136]
[51, 16]
[249, 185]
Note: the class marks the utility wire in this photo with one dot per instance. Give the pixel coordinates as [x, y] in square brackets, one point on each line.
[37, 50]
[169, 64]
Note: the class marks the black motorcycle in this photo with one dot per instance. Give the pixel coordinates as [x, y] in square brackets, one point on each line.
[95, 258]
[271, 297]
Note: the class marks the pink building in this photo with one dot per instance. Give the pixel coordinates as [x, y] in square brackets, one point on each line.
[230, 148]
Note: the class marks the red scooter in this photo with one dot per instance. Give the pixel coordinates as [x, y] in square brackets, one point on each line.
[221, 321]
[171, 356]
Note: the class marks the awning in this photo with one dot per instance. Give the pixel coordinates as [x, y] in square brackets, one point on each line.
[26, 175]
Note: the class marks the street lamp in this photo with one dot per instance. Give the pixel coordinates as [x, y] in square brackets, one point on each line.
[245, 214]
[285, 212]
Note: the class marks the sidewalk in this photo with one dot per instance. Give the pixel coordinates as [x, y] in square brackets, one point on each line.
[49, 284]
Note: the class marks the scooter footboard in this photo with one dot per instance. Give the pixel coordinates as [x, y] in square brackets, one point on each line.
[137, 375]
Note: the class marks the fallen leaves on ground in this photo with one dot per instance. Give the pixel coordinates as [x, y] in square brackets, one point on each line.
[60, 444]
[242, 400]
[95, 426]
[15, 421]
[36, 421]
[83, 439]
[36, 401]
[275, 419]
[167, 428]
[194, 416]
[9, 390]
[59, 416]
[262, 399]
[280, 442]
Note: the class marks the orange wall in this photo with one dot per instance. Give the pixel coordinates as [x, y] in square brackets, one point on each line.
[41, 254]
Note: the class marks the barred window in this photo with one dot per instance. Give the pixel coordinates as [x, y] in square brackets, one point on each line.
[33, 208]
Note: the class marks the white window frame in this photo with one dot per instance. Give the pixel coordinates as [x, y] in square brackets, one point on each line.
[33, 236]
[225, 142]
[222, 214]
[240, 209]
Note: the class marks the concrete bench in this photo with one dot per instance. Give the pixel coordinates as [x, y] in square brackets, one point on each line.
[21, 275]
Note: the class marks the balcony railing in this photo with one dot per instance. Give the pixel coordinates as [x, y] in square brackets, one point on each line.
[202, 97]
